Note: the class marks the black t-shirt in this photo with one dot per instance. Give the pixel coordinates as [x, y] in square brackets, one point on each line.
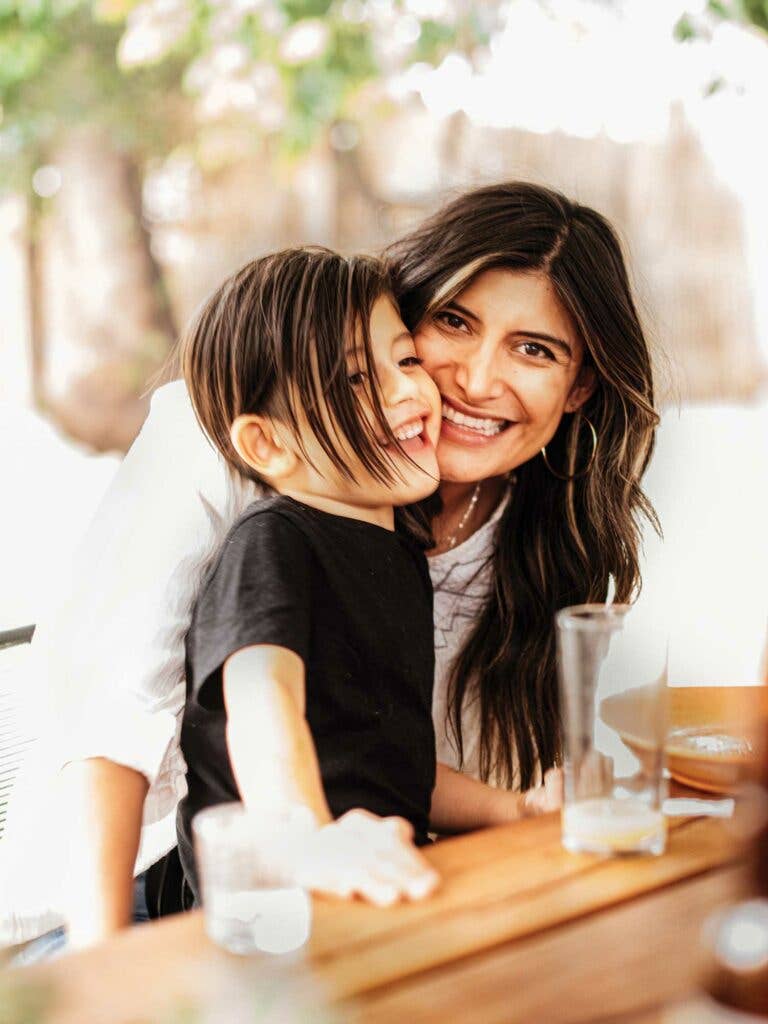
[354, 601]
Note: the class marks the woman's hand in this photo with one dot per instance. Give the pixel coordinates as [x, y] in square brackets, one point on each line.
[547, 797]
[461, 803]
[366, 856]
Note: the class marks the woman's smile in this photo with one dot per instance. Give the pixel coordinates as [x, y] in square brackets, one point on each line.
[470, 427]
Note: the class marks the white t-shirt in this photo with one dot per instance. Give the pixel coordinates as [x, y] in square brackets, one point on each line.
[461, 579]
[116, 651]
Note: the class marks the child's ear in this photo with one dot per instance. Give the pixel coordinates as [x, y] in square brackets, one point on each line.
[256, 442]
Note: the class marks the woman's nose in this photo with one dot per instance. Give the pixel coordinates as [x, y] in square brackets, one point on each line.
[477, 376]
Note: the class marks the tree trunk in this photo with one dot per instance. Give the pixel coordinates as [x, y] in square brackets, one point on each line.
[34, 292]
[108, 325]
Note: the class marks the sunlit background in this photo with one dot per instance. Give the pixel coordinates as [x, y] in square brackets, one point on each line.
[147, 149]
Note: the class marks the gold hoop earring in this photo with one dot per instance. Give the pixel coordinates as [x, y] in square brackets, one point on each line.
[589, 465]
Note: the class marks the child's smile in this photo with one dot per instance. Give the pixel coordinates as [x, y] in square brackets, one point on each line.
[412, 436]
[411, 403]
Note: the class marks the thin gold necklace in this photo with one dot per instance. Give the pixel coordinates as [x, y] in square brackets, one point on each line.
[450, 542]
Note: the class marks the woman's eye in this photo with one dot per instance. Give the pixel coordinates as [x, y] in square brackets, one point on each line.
[410, 361]
[450, 320]
[358, 378]
[533, 348]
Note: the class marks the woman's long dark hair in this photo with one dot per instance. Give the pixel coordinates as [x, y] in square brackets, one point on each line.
[558, 543]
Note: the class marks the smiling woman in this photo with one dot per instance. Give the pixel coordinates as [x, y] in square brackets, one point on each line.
[521, 309]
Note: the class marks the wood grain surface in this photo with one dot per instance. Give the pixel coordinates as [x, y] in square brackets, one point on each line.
[518, 928]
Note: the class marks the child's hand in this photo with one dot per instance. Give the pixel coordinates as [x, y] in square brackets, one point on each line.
[367, 856]
[548, 797]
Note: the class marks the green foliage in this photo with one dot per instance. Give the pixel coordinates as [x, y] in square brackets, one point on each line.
[60, 68]
[719, 8]
[318, 92]
[756, 11]
[749, 12]
[58, 71]
[298, 9]
[435, 39]
[685, 30]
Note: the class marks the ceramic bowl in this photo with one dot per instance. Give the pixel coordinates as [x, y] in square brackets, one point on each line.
[714, 733]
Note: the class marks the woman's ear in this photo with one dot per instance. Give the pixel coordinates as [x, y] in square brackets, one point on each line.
[583, 388]
[256, 441]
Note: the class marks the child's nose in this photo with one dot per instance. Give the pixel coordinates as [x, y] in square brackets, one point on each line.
[398, 386]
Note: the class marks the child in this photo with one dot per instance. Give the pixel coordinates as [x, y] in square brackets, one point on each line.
[310, 654]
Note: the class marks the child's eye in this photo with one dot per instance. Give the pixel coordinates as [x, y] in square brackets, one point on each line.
[411, 361]
[357, 378]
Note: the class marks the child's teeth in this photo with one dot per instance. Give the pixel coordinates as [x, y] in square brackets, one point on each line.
[408, 432]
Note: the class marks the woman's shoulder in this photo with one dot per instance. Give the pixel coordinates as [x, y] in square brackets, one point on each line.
[173, 450]
[171, 411]
[159, 524]
[174, 392]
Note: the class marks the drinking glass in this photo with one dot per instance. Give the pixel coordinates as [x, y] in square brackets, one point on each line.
[613, 683]
[249, 902]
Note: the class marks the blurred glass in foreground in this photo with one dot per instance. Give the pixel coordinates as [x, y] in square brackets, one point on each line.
[248, 903]
[738, 937]
[614, 684]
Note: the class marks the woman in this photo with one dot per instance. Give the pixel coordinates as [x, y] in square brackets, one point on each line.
[522, 312]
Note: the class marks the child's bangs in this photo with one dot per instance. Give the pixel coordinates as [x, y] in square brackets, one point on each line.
[323, 393]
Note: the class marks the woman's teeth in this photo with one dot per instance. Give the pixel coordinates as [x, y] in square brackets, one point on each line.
[487, 427]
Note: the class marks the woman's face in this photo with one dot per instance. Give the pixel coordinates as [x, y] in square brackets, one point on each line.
[507, 362]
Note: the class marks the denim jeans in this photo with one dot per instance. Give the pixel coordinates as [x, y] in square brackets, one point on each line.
[54, 943]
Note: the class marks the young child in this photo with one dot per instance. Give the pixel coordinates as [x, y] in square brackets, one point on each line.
[310, 654]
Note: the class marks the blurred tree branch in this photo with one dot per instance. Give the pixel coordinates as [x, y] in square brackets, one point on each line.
[746, 12]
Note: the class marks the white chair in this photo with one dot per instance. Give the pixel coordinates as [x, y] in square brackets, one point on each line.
[15, 728]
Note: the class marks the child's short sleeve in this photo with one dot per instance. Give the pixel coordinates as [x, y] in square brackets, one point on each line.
[260, 592]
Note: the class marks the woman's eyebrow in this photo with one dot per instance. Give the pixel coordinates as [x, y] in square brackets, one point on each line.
[464, 311]
[540, 336]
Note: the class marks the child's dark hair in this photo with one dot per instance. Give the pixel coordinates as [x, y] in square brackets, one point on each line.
[273, 339]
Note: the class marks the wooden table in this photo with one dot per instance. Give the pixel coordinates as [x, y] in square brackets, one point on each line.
[520, 930]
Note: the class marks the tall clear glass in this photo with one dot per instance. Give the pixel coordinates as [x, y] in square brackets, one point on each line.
[613, 684]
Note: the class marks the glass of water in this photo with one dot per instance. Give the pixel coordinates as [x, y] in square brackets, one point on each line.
[613, 684]
[249, 902]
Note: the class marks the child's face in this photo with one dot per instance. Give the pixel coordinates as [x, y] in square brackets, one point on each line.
[411, 403]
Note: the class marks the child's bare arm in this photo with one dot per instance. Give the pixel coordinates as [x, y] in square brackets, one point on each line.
[461, 803]
[275, 764]
[272, 752]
